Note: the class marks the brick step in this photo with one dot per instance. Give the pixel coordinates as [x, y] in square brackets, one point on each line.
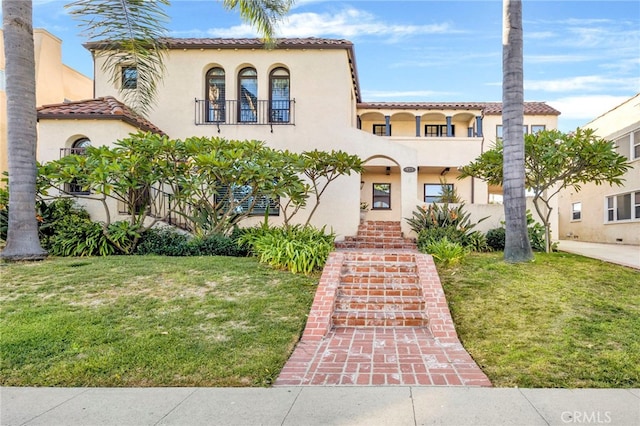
[380, 304]
[405, 244]
[388, 279]
[377, 257]
[378, 290]
[379, 319]
[361, 268]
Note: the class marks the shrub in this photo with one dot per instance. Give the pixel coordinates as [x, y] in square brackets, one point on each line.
[496, 238]
[217, 245]
[477, 241]
[80, 237]
[446, 253]
[163, 241]
[171, 242]
[295, 248]
[432, 235]
[438, 221]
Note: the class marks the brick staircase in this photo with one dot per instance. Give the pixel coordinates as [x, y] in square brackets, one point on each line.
[377, 235]
[379, 290]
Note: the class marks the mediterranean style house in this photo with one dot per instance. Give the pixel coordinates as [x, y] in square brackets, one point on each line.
[302, 95]
[55, 82]
[608, 214]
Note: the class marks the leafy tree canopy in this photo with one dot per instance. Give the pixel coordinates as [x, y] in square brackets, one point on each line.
[553, 161]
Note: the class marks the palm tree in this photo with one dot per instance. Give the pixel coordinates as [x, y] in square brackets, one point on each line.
[517, 246]
[22, 234]
[136, 28]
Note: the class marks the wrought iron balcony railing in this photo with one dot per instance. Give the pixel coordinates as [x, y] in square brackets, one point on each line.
[274, 112]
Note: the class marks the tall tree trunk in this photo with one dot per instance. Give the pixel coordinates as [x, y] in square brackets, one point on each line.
[22, 234]
[517, 246]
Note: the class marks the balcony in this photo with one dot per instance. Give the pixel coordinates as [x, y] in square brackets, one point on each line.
[274, 112]
[71, 151]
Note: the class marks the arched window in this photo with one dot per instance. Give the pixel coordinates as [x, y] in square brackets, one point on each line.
[215, 95]
[76, 186]
[248, 95]
[279, 102]
[80, 145]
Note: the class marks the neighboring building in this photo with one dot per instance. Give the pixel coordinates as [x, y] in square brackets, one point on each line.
[55, 82]
[305, 95]
[604, 213]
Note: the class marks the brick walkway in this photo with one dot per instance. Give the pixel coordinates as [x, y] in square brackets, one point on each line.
[365, 326]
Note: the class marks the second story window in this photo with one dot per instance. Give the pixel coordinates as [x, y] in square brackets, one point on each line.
[129, 77]
[215, 95]
[437, 130]
[248, 95]
[279, 101]
[381, 130]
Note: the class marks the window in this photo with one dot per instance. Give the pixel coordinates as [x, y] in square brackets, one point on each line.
[248, 95]
[636, 145]
[381, 130]
[242, 196]
[215, 95]
[129, 77]
[381, 196]
[500, 130]
[437, 130]
[576, 211]
[535, 128]
[433, 191]
[279, 101]
[139, 201]
[623, 207]
[78, 147]
[623, 146]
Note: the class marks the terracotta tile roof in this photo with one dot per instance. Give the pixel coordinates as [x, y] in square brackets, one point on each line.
[487, 108]
[530, 108]
[106, 108]
[239, 43]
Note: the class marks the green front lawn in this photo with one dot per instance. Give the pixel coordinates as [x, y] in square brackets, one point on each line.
[560, 321]
[148, 321]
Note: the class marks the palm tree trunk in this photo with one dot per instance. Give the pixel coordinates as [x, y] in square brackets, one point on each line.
[517, 246]
[22, 233]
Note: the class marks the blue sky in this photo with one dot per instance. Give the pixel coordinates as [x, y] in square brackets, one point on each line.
[582, 57]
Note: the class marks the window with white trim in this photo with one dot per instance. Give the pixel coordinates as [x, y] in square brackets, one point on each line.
[636, 145]
[623, 207]
[576, 211]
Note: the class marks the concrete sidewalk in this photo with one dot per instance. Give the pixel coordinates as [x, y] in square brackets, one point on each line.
[391, 405]
[621, 254]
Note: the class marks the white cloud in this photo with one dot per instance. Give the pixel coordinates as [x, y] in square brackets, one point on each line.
[556, 59]
[589, 83]
[586, 108]
[347, 23]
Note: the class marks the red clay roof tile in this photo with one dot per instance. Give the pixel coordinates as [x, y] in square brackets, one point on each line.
[488, 108]
[105, 108]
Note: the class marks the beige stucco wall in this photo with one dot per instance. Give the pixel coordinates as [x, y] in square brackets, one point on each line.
[55, 82]
[621, 124]
[56, 134]
[326, 117]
